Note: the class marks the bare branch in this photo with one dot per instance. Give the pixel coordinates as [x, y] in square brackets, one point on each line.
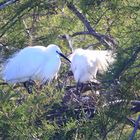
[81, 33]
[131, 121]
[135, 128]
[26, 28]
[6, 3]
[102, 38]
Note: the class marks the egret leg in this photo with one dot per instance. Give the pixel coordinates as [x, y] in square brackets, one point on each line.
[81, 86]
[26, 85]
[78, 90]
[29, 85]
[91, 86]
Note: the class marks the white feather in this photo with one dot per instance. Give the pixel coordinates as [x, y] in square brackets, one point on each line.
[86, 63]
[35, 63]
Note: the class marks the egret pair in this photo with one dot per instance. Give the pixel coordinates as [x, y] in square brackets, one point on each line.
[43, 63]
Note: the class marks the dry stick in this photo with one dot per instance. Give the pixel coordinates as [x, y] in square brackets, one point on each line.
[26, 28]
[135, 128]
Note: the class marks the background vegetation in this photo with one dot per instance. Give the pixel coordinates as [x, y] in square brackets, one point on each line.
[55, 112]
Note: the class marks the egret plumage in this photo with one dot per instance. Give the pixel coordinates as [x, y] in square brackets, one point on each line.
[33, 63]
[86, 63]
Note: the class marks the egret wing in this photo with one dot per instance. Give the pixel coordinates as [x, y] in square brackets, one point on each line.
[23, 65]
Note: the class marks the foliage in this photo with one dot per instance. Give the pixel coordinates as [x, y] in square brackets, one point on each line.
[41, 22]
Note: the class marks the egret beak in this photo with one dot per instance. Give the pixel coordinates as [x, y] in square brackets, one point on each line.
[62, 55]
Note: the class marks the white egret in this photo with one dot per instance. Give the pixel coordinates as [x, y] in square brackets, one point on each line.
[86, 63]
[33, 63]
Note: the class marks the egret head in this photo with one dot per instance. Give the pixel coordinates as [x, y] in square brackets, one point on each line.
[56, 49]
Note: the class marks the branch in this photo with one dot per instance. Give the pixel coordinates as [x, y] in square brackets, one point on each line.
[81, 33]
[85, 87]
[135, 128]
[98, 36]
[6, 3]
[26, 28]
[131, 122]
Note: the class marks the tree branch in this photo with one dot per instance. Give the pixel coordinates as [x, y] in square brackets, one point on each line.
[81, 33]
[135, 128]
[6, 3]
[102, 38]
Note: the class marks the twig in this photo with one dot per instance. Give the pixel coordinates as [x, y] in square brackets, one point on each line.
[101, 38]
[6, 3]
[131, 122]
[135, 128]
[81, 33]
[27, 29]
